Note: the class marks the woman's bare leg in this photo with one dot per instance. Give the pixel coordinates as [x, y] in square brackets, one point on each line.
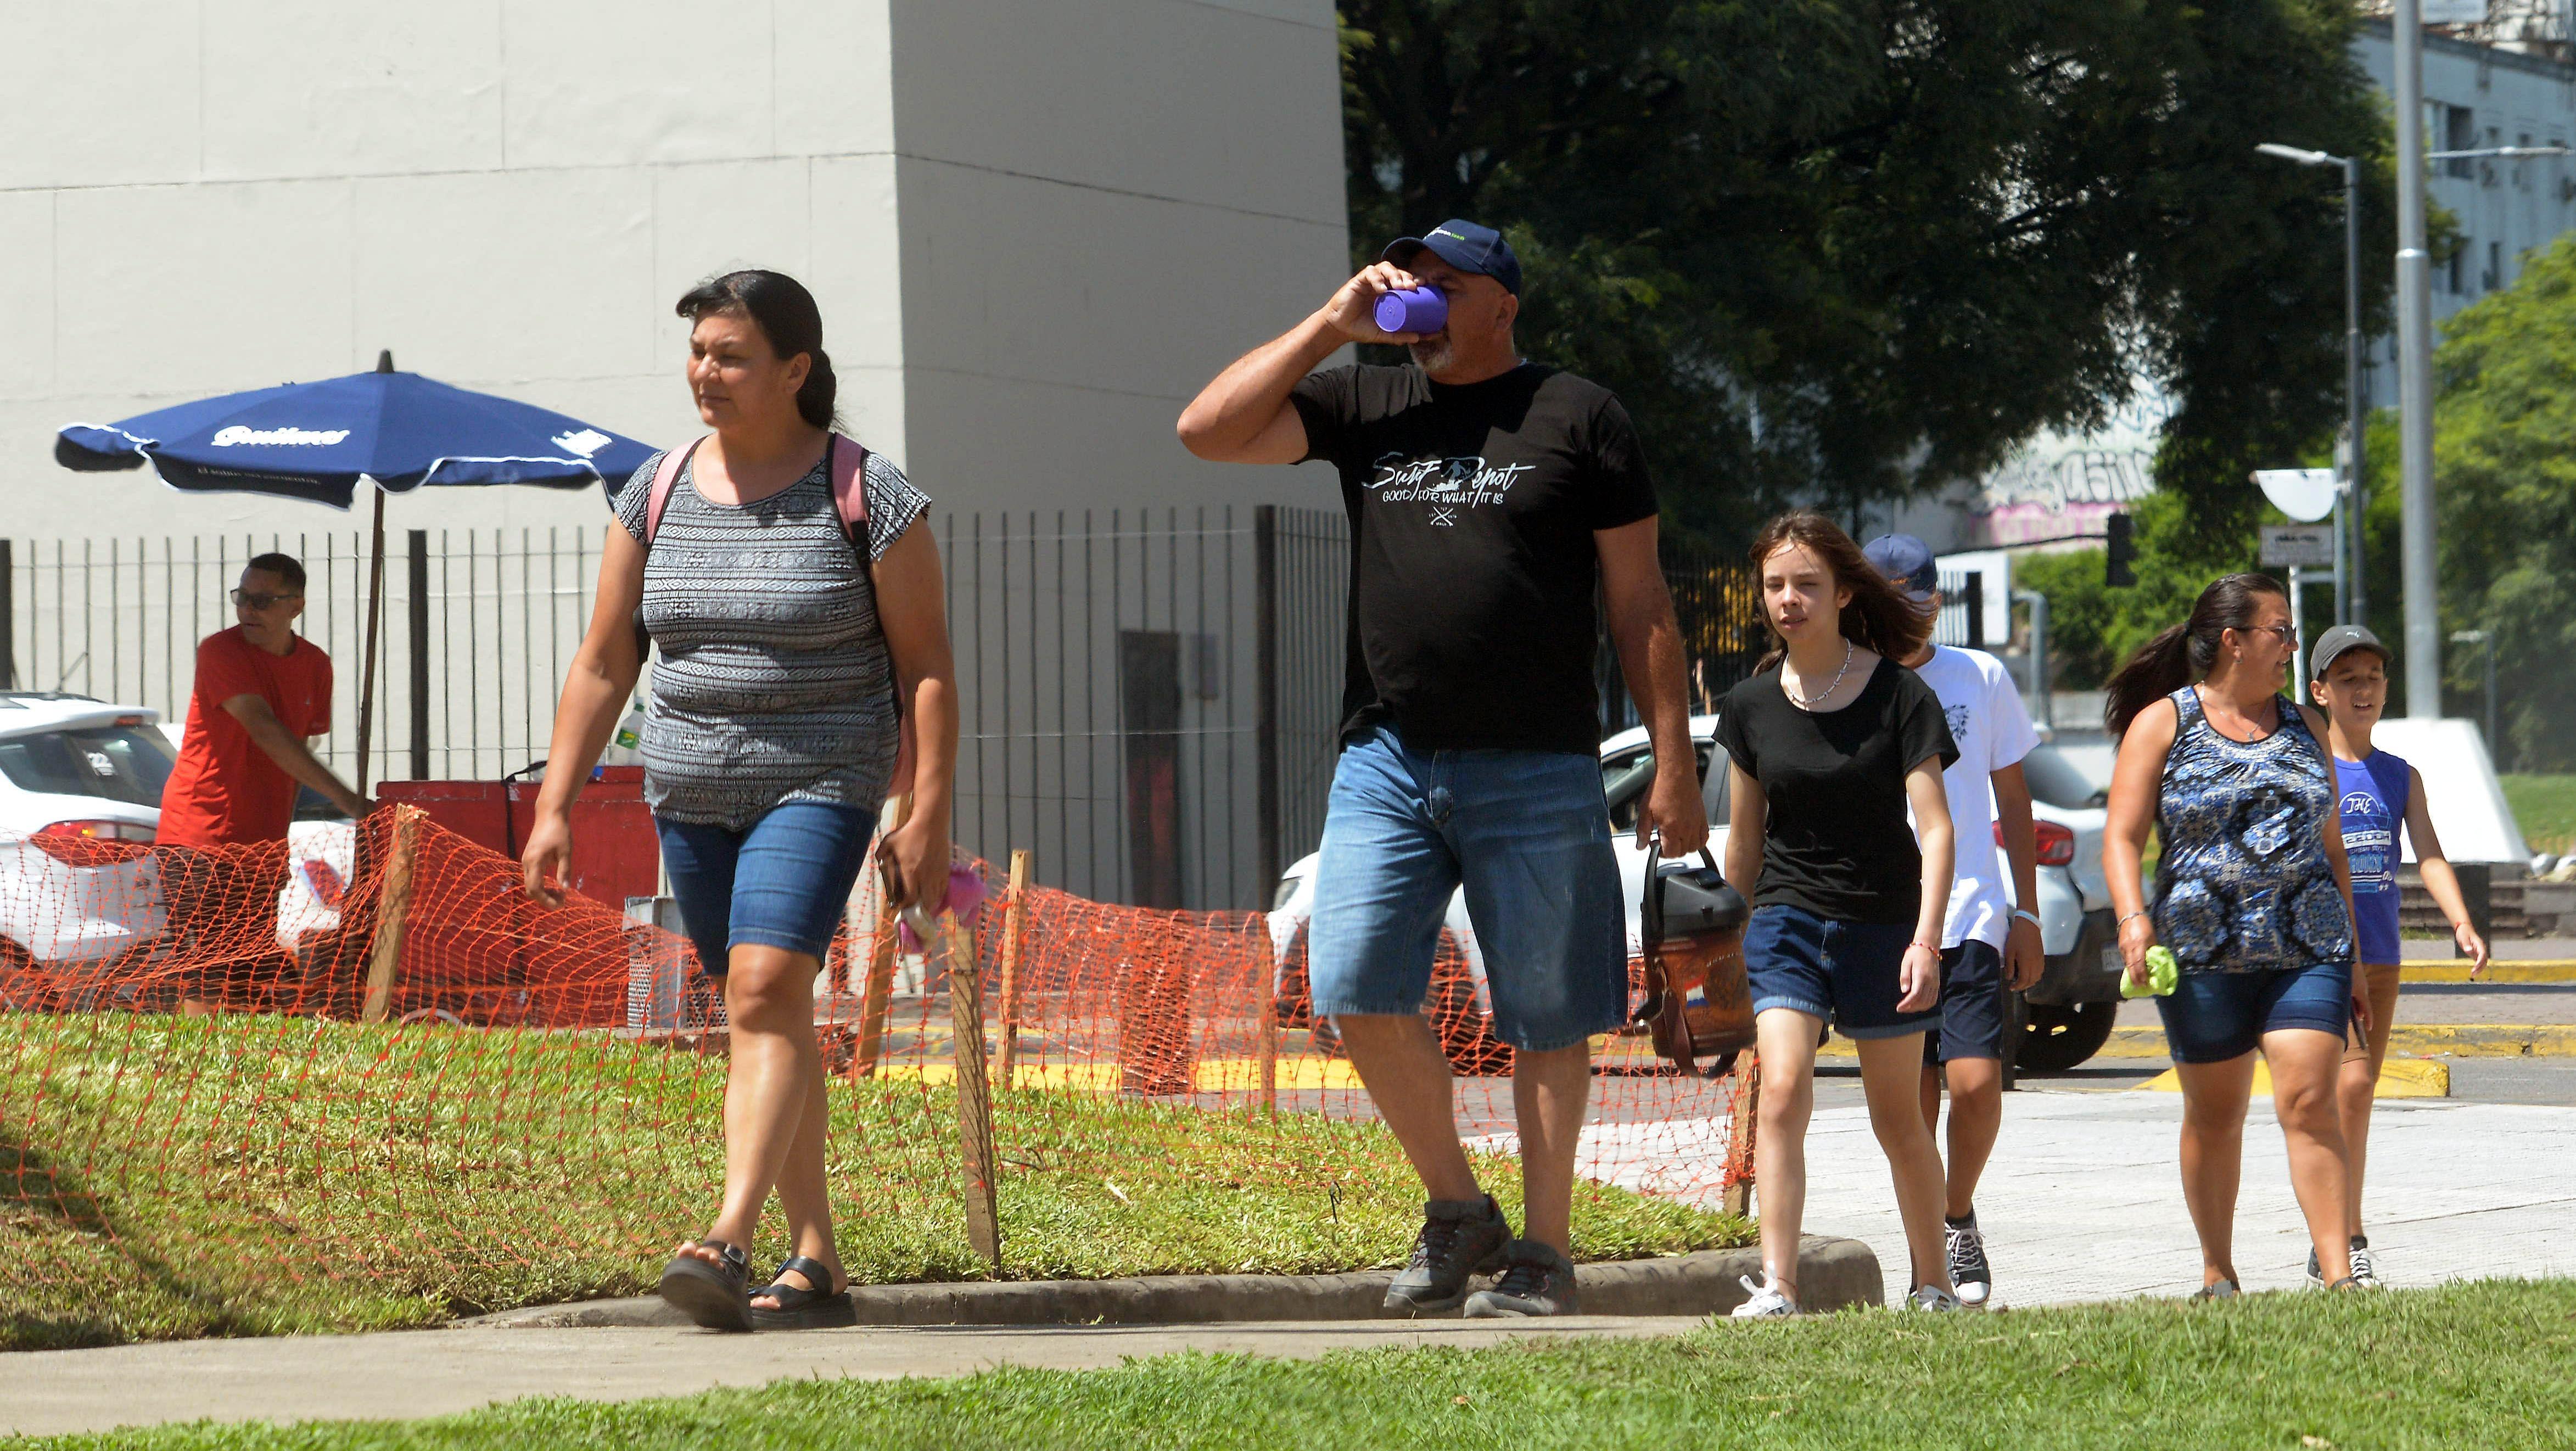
[1787, 1042]
[2213, 1156]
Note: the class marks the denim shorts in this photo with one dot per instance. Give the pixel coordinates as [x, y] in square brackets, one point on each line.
[1972, 1005]
[1846, 973]
[2212, 1017]
[783, 882]
[1526, 833]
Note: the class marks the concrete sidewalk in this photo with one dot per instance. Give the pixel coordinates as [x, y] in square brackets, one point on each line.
[2083, 1198]
[441, 1372]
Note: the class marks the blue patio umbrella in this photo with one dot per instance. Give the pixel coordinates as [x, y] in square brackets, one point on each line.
[318, 441]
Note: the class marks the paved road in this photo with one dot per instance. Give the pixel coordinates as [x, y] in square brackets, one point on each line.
[2083, 1200]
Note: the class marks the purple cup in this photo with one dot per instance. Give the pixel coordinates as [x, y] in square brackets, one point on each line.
[1413, 310]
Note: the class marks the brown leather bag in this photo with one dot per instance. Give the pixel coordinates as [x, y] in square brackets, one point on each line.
[1698, 1005]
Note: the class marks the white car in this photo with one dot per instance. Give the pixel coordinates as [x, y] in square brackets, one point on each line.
[2062, 1012]
[73, 769]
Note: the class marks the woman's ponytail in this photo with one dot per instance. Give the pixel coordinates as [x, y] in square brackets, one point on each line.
[2158, 669]
[814, 401]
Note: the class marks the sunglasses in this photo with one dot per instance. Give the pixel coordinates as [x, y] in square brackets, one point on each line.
[258, 601]
[2289, 634]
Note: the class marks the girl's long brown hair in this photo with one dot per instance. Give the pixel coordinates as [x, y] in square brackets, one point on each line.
[1879, 616]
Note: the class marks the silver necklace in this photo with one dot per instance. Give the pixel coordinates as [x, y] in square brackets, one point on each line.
[1809, 702]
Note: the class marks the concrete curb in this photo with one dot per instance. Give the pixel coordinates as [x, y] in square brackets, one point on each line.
[2421, 1040]
[2459, 1040]
[1833, 1274]
[2538, 970]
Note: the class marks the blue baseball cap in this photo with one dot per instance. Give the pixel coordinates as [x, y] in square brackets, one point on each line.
[1907, 564]
[1463, 245]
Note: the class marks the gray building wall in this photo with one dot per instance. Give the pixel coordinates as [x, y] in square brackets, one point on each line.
[1033, 225]
[1035, 228]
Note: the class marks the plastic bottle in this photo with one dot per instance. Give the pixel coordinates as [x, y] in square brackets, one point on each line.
[626, 746]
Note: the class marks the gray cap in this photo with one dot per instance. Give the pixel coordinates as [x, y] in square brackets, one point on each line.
[2341, 638]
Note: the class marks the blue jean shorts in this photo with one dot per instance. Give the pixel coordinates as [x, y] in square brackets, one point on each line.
[782, 882]
[1972, 1005]
[1846, 973]
[1526, 833]
[2212, 1017]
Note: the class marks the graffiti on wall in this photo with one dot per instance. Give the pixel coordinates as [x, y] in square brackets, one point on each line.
[2061, 484]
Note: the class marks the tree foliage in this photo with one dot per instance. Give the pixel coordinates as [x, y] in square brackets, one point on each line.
[2504, 459]
[1853, 249]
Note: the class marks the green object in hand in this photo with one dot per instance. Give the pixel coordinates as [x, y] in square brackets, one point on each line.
[2162, 973]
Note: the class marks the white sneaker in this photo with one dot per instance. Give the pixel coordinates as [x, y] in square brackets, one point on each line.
[1767, 1303]
[1932, 1297]
[2365, 1273]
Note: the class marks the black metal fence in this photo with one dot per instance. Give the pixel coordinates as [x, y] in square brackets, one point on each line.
[1718, 605]
[1150, 699]
[1150, 696]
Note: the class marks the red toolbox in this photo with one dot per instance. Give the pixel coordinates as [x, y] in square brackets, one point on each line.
[615, 853]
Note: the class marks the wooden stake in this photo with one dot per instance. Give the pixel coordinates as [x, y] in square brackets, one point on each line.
[1012, 917]
[1266, 1023]
[393, 914]
[974, 1091]
[1738, 1197]
[880, 984]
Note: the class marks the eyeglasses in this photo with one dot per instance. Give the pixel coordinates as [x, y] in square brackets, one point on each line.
[259, 601]
[2289, 634]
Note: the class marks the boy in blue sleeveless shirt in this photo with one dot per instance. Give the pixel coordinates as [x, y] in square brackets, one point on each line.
[2378, 795]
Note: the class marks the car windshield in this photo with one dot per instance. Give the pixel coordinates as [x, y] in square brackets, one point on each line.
[2053, 779]
[114, 763]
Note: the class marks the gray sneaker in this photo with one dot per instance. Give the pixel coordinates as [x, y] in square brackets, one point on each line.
[1536, 1280]
[1459, 1238]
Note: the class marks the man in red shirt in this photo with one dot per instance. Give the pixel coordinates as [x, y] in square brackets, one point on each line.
[261, 691]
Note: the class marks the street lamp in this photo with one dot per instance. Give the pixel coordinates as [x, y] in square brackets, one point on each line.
[2352, 597]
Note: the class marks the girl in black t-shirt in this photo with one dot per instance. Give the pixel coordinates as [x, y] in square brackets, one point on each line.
[1831, 740]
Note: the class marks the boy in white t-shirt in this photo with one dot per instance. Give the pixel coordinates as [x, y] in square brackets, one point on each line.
[1987, 945]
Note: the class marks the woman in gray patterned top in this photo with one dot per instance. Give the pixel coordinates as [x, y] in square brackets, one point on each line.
[772, 736]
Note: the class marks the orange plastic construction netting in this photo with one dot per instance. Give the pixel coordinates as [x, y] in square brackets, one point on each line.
[370, 1061]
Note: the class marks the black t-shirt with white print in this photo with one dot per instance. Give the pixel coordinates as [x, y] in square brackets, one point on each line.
[1473, 565]
[1837, 842]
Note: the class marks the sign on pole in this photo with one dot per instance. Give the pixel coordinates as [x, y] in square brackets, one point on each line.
[2306, 495]
[2298, 546]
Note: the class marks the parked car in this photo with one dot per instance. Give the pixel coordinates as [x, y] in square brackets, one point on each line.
[2067, 1015]
[76, 776]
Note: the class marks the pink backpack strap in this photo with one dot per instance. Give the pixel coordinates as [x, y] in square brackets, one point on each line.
[850, 498]
[666, 477]
[850, 493]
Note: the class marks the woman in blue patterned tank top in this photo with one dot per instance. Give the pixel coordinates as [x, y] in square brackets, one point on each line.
[2252, 896]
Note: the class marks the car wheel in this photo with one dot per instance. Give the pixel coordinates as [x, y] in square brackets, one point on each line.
[2055, 1038]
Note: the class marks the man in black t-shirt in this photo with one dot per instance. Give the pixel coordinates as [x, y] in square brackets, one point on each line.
[1488, 498]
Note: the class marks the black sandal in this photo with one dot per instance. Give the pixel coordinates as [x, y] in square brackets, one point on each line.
[801, 1307]
[713, 1296]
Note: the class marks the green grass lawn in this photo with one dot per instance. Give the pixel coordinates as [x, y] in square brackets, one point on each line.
[2489, 1364]
[164, 1177]
[2545, 808]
